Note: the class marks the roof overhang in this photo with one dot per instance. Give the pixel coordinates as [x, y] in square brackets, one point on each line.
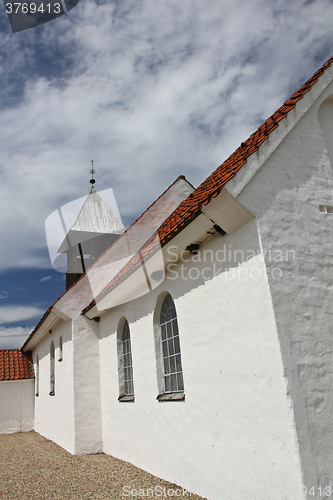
[227, 212]
[74, 237]
[52, 319]
[223, 211]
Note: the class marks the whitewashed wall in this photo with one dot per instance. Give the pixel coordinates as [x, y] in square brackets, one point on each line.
[17, 406]
[285, 196]
[233, 437]
[87, 393]
[54, 415]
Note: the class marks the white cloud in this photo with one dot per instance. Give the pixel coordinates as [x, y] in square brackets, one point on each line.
[3, 294]
[13, 337]
[148, 89]
[45, 278]
[14, 314]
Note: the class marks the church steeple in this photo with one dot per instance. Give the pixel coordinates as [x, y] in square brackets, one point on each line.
[93, 232]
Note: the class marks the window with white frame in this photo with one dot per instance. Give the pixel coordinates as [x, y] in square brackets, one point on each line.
[172, 365]
[127, 360]
[125, 365]
[37, 376]
[52, 370]
[60, 349]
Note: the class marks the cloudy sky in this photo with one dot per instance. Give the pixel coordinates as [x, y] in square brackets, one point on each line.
[150, 89]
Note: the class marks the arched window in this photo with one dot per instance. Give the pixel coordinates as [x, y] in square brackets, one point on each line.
[60, 349]
[37, 376]
[52, 367]
[172, 364]
[125, 366]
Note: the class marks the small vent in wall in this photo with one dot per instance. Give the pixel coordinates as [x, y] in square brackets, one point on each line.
[326, 209]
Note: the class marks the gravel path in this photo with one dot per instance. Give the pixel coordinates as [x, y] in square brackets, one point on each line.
[34, 468]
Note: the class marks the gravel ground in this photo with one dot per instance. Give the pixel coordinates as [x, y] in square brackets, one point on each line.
[34, 468]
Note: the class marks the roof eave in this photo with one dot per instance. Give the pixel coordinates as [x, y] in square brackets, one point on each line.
[223, 211]
[256, 160]
[49, 321]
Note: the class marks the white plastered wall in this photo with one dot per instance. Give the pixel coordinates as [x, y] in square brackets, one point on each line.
[17, 406]
[285, 196]
[233, 437]
[87, 393]
[54, 415]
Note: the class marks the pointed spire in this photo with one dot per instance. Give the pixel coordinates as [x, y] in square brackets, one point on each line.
[96, 216]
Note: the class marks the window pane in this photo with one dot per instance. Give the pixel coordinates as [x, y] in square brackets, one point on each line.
[163, 331]
[175, 327]
[167, 385]
[178, 363]
[165, 348]
[177, 345]
[169, 330]
[169, 315]
[166, 366]
[180, 382]
[172, 364]
[173, 377]
[131, 388]
[174, 383]
[170, 347]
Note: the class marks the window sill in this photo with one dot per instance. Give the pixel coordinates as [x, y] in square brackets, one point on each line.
[52, 393]
[126, 399]
[175, 396]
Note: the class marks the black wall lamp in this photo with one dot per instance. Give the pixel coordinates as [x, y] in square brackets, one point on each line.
[193, 248]
[219, 230]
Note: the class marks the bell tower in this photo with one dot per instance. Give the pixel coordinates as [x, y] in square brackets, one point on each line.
[95, 229]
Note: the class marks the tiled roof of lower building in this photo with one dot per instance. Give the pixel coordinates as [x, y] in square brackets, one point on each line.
[15, 365]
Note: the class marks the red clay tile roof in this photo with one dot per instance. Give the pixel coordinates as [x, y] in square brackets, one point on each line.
[15, 365]
[190, 208]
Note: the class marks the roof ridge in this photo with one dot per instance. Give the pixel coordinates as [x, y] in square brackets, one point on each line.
[160, 196]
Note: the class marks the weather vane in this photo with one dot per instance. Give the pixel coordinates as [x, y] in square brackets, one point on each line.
[92, 171]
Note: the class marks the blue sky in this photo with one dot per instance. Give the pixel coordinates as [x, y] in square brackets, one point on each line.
[149, 89]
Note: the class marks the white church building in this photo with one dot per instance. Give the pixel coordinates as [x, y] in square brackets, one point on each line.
[198, 346]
